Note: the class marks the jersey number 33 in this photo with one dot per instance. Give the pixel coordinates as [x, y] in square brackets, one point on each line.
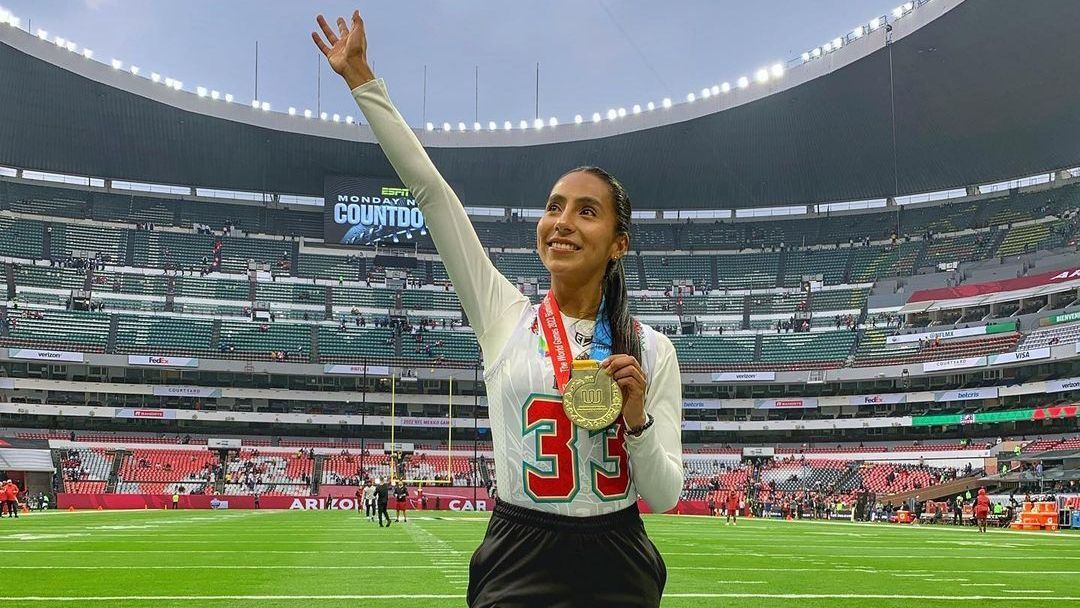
[555, 475]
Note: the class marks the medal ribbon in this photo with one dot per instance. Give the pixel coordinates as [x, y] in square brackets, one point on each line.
[559, 344]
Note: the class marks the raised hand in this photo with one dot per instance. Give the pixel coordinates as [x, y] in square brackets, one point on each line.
[346, 50]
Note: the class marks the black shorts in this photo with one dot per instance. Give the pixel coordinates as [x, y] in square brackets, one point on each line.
[530, 558]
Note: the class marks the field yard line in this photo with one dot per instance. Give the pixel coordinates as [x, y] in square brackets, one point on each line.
[232, 567]
[792, 596]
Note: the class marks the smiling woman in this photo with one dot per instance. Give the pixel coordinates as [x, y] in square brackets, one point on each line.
[584, 401]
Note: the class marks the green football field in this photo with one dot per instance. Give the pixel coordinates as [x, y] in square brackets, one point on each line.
[332, 558]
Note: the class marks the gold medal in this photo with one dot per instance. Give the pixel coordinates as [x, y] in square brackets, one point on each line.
[591, 399]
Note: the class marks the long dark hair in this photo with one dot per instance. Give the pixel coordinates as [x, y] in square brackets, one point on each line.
[624, 335]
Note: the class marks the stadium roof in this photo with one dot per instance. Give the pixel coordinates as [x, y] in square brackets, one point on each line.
[957, 93]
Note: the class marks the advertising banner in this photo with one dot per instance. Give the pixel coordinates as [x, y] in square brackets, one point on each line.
[1062, 384]
[1054, 277]
[45, 355]
[744, 377]
[130, 412]
[356, 370]
[185, 391]
[937, 366]
[880, 399]
[1023, 355]
[967, 394]
[366, 211]
[786, 403]
[945, 334]
[161, 361]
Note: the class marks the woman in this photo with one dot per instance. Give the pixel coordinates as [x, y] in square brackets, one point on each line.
[565, 530]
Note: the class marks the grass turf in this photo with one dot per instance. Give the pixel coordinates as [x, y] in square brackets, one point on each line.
[245, 559]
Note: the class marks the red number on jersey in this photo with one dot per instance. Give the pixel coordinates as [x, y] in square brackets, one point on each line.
[555, 446]
[615, 485]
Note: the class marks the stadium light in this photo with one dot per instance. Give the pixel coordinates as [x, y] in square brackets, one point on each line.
[70, 46]
[857, 32]
[349, 120]
[476, 126]
[538, 124]
[255, 103]
[636, 109]
[596, 117]
[335, 117]
[429, 126]
[622, 112]
[14, 21]
[898, 11]
[612, 114]
[215, 95]
[292, 111]
[154, 76]
[134, 70]
[461, 127]
[492, 126]
[200, 91]
[307, 113]
[168, 82]
[690, 97]
[816, 52]
[908, 6]
[446, 127]
[805, 57]
[650, 106]
[837, 42]
[88, 53]
[553, 122]
[228, 97]
[177, 85]
[666, 103]
[507, 125]
[827, 47]
[42, 34]
[705, 93]
[524, 124]
[715, 89]
[743, 82]
[578, 119]
[725, 87]
[875, 23]
[761, 75]
[777, 70]
[60, 42]
[323, 116]
[117, 64]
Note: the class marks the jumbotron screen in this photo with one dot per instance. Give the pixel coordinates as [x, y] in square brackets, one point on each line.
[369, 210]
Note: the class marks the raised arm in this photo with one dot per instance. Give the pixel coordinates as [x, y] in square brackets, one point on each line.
[492, 303]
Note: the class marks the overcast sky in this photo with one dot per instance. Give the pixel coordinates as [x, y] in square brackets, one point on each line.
[593, 54]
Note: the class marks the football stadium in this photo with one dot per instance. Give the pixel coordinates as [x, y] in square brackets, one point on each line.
[231, 345]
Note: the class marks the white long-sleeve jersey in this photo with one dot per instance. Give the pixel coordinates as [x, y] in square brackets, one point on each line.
[543, 461]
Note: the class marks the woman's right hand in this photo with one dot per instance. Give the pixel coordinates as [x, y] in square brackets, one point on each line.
[347, 49]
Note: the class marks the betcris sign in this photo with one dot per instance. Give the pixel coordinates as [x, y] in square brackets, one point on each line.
[366, 211]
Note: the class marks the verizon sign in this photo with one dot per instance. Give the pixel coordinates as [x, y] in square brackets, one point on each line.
[744, 377]
[45, 355]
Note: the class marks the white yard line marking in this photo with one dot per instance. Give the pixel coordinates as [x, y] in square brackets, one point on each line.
[793, 596]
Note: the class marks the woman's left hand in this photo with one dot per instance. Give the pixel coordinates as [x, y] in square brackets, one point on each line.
[627, 372]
